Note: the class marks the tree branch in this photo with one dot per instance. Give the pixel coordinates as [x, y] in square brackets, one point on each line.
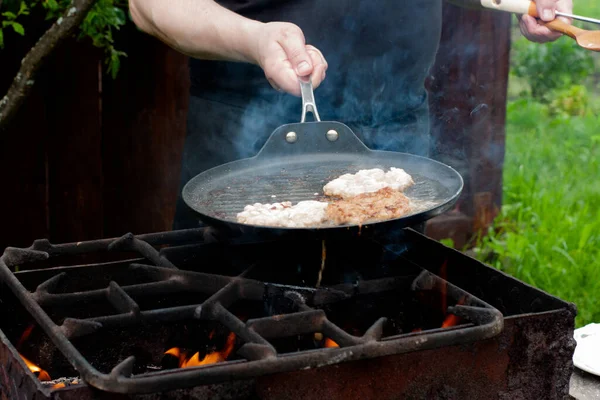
[23, 82]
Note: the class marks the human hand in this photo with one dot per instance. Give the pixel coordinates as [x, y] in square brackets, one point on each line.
[284, 56]
[534, 30]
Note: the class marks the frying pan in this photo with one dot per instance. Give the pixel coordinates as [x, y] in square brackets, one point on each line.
[296, 162]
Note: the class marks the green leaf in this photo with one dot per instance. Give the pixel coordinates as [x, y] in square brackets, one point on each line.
[1, 39]
[586, 233]
[99, 26]
[447, 242]
[120, 16]
[23, 9]
[18, 28]
[114, 62]
[9, 15]
[51, 4]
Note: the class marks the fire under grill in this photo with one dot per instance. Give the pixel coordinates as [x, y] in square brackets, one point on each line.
[184, 316]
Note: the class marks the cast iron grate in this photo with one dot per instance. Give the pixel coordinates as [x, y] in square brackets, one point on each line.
[259, 355]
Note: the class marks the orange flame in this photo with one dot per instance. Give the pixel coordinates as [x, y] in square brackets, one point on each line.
[41, 374]
[451, 319]
[210, 358]
[60, 385]
[330, 343]
[25, 336]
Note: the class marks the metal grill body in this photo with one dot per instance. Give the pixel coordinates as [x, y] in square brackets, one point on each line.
[484, 352]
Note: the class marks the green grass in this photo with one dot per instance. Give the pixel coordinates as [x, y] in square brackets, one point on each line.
[587, 8]
[548, 233]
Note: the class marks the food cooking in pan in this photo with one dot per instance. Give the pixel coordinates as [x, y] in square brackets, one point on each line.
[368, 196]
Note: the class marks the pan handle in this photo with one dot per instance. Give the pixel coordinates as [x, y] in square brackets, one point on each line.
[308, 98]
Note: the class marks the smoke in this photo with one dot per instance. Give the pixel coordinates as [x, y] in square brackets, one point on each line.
[378, 64]
[261, 115]
[384, 72]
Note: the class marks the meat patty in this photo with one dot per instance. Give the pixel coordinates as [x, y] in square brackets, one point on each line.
[305, 214]
[368, 181]
[383, 204]
[370, 195]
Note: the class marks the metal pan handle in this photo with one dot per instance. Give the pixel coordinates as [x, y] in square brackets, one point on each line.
[308, 98]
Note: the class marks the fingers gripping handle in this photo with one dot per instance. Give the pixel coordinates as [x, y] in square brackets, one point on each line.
[308, 99]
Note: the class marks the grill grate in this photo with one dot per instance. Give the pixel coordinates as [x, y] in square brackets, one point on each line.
[161, 276]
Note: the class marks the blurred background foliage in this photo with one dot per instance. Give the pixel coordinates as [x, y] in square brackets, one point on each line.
[548, 231]
[105, 17]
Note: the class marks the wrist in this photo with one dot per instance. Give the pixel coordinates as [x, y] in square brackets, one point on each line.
[247, 41]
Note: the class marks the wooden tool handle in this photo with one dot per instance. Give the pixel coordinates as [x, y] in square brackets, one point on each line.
[563, 27]
[512, 6]
[529, 7]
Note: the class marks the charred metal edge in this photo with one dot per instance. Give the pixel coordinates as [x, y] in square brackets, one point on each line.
[99, 245]
[130, 242]
[263, 359]
[170, 280]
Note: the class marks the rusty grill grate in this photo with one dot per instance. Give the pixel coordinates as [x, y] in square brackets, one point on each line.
[259, 355]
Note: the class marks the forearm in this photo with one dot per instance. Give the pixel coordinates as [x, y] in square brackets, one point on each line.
[199, 28]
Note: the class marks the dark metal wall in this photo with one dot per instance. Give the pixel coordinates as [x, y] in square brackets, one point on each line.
[468, 97]
[91, 157]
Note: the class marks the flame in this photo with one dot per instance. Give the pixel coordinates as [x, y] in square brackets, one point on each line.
[451, 319]
[41, 374]
[323, 258]
[175, 352]
[210, 358]
[25, 336]
[330, 343]
[60, 385]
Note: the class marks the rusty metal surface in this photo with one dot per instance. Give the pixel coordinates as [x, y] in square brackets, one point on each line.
[451, 225]
[261, 357]
[530, 359]
[513, 365]
[584, 386]
[495, 368]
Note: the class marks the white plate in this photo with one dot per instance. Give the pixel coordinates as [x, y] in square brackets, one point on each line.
[587, 352]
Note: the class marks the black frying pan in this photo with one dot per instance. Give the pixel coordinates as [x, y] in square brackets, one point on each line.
[298, 160]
